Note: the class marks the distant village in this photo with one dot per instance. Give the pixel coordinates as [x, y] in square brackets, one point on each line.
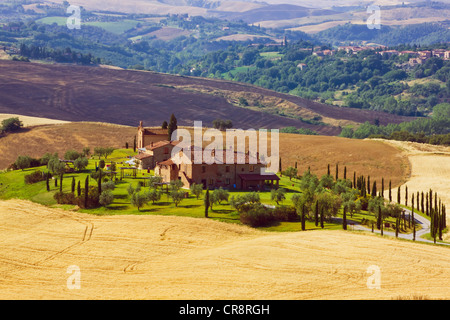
[416, 57]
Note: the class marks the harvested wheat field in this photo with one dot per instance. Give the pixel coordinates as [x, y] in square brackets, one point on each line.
[365, 157]
[167, 257]
[31, 121]
[36, 141]
[430, 169]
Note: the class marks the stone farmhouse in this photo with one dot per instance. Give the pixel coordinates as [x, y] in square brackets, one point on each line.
[146, 136]
[241, 176]
[155, 152]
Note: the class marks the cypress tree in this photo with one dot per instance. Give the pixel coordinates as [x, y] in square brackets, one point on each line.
[374, 189]
[444, 216]
[99, 182]
[412, 206]
[337, 172]
[86, 191]
[413, 223]
[354, 179]
[172, 126]
[79, 188]
[303, 218]
[61, 182]
[328, 169]
[73, 184]
[397, 225]
[47, 180]
[406, 196]
[441, 223]
[382, 187]
[134, 144]
[430, 198]
[427, 206]
[344, 219]
[363, 191]
[398, 195]
[206, 202]
[368, 184]
[421, 203]
[435, 202]
[279, 165]
[321, 218]
[417, 200]
[345, 173]
[316, 215]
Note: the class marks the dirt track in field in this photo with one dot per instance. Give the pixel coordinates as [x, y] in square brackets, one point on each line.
[164, 257]
[430, 169]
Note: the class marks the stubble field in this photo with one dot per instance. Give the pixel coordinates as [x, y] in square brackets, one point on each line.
[154, 257]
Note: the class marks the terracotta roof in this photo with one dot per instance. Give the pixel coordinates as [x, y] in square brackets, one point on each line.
[160, 144]
[152, 132]
[165, 163]
[143, 156]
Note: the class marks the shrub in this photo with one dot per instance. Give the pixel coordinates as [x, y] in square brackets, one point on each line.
[23, 162]
[177, 196]
[285, 213]
[245, 202]
[106, 186]
[65, 198]
[257, 216]
[92, 200]
[139, 199]
[278, 195]
[81, 163]
[197, 189]
[221, 195]
[154, 195]
[72, 155]
[36, 176]
[106, 198]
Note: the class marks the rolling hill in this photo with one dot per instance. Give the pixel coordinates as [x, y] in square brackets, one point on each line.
[167, 257]
[76, 93]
